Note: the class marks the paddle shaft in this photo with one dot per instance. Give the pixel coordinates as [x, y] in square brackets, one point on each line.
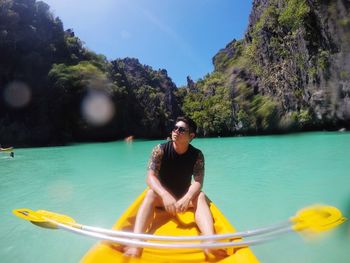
[137, 243]
[247, 233]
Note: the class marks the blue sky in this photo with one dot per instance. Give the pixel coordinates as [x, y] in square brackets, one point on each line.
[181, 36]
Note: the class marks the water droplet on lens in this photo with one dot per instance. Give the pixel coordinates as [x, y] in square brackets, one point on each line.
[17, 94]
[97, 108]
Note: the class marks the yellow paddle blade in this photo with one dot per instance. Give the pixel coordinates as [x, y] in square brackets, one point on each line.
[28, 214]
[317, 218]
[44, 218]
[63, 219]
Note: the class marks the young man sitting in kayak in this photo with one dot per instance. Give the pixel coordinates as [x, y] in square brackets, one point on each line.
[169, 178]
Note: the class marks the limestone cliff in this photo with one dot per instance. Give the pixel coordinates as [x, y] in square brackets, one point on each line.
[292, 69]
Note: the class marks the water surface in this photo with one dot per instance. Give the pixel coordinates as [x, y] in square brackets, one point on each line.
[255, 181]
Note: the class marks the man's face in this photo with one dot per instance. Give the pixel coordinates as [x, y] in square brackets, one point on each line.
[181, 133]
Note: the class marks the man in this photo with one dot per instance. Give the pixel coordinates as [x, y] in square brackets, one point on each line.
[169, 178]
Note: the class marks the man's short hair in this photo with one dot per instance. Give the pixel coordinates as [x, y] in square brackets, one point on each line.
[192, 126]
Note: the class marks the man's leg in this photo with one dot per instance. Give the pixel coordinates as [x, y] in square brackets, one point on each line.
[205, 222]
[143, 219]
[204, 219]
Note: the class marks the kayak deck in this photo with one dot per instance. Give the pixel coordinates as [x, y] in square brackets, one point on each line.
[165, 225]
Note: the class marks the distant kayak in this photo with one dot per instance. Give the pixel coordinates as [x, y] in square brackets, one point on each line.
[8, 149]
[165, 225]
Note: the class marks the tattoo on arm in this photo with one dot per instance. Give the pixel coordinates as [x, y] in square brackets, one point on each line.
[198, 169]
[155, 160]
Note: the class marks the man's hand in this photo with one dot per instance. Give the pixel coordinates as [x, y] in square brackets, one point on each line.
[182, 204]
[169, 203]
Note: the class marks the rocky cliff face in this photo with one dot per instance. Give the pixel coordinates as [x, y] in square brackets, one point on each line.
[151, 102]
[54, 91]
[290, 72]
[295, 57]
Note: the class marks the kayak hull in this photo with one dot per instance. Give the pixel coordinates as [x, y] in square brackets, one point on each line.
[166, 225]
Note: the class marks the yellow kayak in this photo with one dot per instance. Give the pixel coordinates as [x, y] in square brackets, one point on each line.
[165, 225]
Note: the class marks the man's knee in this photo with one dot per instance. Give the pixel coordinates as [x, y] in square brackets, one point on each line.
[200, 198]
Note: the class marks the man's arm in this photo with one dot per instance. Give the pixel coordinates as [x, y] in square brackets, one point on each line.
[153, 182]
[196, 186]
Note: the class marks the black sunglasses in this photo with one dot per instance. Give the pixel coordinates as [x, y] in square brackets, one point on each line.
[179, 129]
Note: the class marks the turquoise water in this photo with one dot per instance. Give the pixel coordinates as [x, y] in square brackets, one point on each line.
[255, 181]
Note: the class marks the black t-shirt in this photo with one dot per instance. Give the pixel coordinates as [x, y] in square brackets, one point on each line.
[176, 170]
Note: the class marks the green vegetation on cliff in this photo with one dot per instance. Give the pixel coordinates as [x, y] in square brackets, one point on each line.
[210, 106]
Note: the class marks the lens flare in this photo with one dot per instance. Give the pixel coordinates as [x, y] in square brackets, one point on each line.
[97, 108]
[17, 94]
